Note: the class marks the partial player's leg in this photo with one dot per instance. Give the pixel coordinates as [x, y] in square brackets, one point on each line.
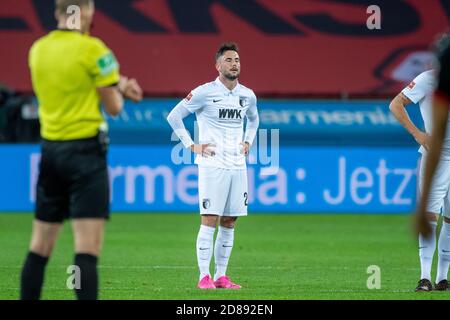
[222, 253]
[236, 206]
[444, 256]
[427, 246]
[205, 245]
[89, 199]
[42, 242]
[444, 247]
[213, 188]
[51, 208]
[88, 237]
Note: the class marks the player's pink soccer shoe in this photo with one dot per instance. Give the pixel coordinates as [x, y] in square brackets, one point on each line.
[225, 283]
[206, 283]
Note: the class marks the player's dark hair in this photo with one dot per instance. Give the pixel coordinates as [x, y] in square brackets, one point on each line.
[62, 5]
[226, 47]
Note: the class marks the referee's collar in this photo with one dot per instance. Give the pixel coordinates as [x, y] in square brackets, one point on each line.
[220, 84]
[69, 30]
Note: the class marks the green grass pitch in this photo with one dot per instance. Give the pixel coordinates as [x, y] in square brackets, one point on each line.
[152, 256]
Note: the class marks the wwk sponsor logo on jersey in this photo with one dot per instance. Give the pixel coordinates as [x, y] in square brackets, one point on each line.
[230, 114]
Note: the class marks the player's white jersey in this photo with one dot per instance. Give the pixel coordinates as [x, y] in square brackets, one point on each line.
[420, 91]
[220, 116]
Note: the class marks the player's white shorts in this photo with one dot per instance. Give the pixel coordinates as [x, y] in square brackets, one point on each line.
[439, 192]
[222, 192]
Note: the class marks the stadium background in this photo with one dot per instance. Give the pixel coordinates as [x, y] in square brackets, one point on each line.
[323, 80]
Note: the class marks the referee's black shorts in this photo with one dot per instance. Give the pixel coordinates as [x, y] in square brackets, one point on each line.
[73, 181]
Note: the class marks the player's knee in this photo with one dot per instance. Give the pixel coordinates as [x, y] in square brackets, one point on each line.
[42, 247]
[209, 220]
[89, 247]
[89, 243]
[43, 238]
[228, 222]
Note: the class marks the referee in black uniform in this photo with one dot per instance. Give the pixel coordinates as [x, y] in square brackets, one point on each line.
[72, 73]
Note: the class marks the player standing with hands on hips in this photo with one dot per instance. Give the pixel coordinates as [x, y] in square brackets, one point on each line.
[436, 153]
[72, 73]
[220, 107]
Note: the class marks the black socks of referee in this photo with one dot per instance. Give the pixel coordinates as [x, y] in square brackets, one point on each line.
[89, 277]
[32, 276]
[33, 270]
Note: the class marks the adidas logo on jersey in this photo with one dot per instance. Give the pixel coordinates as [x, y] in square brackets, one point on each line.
[230, 114]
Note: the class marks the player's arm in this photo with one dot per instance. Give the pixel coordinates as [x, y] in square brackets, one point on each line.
[112, 96]
[175, 118]
[252, 125]
[103, 67]
[112, 99]
[398, 109]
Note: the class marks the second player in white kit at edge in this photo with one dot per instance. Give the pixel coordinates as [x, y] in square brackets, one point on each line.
[420, 91]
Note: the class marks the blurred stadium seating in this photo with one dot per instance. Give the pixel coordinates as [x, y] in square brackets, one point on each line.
[288, 48]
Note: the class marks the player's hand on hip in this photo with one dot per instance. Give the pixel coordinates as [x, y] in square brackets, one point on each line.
[205, 150]
[423, 139]
[245, 148]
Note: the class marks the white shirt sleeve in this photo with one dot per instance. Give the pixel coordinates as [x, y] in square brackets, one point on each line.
[175, 119]
[252, 121]
[417, 89]
[195, 100]
[192, 103]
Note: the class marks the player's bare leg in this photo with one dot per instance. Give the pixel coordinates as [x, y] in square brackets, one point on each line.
[44, 237]
[444, 256]
[88, 237]
[427, 247]
[42, 242]
[205, 245]
[222, 252]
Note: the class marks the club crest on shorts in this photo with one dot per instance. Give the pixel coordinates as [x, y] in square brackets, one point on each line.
[206, 203]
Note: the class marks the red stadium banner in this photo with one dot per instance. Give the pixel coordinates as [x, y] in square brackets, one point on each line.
[288, 47]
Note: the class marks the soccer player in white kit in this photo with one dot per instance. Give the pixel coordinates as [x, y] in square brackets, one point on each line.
[220, 107]
[420, 91]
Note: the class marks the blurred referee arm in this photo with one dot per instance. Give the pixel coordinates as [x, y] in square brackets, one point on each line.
[112, 96]
[398, 109]
[175, 119]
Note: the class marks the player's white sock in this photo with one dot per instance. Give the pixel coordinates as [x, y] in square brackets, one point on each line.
[444, 252]
[222, 251]
[426, 252]
[205, 243]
